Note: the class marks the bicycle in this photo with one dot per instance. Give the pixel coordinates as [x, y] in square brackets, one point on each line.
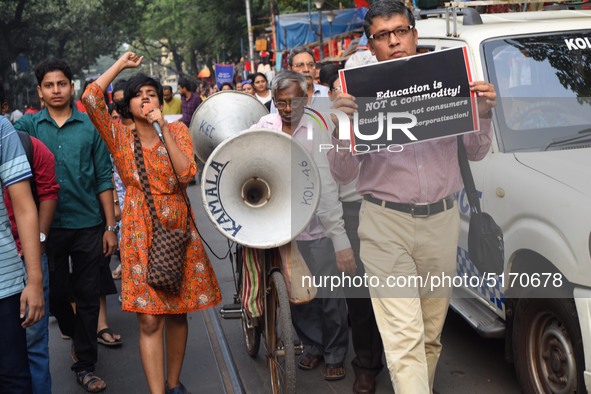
[276, 330]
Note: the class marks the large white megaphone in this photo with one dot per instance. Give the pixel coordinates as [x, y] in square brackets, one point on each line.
[221, 116]
[260, 188]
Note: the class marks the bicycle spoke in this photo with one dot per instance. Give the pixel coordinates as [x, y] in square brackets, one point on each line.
[281, 350]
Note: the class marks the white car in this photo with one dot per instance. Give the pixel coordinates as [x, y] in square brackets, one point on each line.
[536, 183]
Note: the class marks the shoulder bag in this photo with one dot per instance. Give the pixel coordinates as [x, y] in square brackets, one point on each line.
[485, 238]
[167, 252]
[298, 278]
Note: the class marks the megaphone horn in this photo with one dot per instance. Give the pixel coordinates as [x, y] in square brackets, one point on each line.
[260, 188]
[221, 116]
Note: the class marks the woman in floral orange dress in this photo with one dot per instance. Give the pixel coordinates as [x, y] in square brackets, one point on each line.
[162, 316]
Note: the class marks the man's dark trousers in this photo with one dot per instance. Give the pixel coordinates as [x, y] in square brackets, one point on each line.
[14, 363]
[367, 342]
[84, 246]
[321, 324]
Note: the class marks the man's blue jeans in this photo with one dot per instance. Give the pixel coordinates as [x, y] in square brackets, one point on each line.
[38, 342]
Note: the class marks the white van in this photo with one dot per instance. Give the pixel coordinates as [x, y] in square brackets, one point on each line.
[536, 183]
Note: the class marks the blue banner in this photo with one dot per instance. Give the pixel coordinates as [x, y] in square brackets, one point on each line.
[224, 73]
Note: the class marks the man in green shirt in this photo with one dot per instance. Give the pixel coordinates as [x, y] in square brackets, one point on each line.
[172, 104]
[83, 171]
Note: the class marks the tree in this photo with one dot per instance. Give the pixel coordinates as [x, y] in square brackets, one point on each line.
[163, 31]
[77, 31]
[192, 31]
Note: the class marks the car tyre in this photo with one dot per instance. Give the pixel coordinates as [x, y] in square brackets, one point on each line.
[547, 346]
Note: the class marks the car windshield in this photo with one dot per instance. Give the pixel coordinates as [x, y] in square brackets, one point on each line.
[543, 84]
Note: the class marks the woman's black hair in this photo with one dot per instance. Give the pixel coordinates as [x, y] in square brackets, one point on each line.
[258, 74]
[119, 105]
[87, 82]
[331, 80]
[327, 71]
[112, 107]
[133, 85]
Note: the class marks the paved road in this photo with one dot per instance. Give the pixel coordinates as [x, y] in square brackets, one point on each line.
[468, 365]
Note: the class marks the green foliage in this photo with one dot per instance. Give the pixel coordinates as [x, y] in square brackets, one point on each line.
[193, 32]
[77, 31]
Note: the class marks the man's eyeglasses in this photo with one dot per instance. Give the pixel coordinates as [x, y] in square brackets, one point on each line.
[281, 105]
[400, 32]
[301, 65]
[336, 89]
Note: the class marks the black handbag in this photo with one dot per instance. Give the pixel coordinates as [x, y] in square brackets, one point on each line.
[166, 257]
[485, 238]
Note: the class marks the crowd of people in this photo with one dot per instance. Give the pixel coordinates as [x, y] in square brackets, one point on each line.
[68, 219]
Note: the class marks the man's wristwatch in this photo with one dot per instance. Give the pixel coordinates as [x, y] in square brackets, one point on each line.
[114, 229]
[42, 237]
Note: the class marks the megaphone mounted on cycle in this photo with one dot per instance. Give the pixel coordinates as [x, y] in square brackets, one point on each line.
[221, 116]
[260, 188]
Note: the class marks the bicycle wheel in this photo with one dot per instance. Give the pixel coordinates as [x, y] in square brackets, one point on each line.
[252, 335]
[279, 337]
[250, 330]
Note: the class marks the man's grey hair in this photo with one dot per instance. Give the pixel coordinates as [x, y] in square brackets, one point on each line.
[296, 51]
[284, 79]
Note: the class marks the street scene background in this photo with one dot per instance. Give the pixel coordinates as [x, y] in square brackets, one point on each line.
[469, 364]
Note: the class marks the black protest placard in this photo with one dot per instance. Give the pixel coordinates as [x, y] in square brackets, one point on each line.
[412, 99]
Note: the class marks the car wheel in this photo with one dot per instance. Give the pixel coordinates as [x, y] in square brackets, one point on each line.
[547, 346]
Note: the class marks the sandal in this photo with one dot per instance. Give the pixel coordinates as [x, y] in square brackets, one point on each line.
[309, 362]
[116, 273]
[100, 338]
[90, 382]
[334, 372]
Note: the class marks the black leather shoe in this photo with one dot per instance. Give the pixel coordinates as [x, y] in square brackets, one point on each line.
[364, 384]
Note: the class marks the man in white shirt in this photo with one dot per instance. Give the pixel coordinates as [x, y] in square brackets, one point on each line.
[15, 115]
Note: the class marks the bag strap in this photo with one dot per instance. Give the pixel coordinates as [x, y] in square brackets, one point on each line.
[139, 160]
[143, 174]
[30, 152]
[467, 177]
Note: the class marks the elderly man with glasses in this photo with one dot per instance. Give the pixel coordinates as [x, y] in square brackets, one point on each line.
[301, 60]
[320, 324]
[396, 243]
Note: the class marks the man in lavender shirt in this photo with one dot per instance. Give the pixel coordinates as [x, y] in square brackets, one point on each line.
[401, 237]
[189, 100]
